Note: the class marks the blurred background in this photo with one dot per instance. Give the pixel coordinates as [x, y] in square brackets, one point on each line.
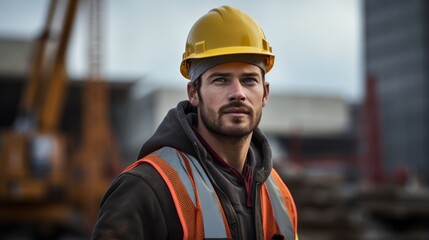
[83, 83]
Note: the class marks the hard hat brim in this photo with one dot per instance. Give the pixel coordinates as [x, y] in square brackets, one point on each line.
[185, 64]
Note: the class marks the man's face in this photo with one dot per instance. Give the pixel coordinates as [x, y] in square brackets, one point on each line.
[230, 99]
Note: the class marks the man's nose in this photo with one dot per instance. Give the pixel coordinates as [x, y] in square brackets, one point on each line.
[236, 91]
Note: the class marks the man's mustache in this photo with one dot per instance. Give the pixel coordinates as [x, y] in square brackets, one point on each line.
[236, 106]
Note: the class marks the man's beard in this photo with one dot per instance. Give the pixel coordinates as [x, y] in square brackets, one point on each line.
[216, 124]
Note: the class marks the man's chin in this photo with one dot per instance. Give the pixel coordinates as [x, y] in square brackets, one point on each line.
[237, 131]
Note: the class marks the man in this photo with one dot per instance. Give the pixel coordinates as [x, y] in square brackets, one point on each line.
[207, 170]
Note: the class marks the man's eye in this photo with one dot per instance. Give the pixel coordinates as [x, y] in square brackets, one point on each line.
[220, 80]
[250, 80]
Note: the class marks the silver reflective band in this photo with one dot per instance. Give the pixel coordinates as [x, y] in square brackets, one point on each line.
[213, 222]
[279, 208]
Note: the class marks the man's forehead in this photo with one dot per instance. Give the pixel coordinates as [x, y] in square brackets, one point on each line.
[233, 68]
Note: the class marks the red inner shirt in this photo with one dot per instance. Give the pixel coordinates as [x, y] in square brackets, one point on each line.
[246, 177]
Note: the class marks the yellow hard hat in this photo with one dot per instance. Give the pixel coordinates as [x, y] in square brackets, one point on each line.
[225, 31]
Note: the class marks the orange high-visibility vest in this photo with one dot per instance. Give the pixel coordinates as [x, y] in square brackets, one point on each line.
[197, 203]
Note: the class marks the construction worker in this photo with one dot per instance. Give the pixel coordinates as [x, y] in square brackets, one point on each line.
[207, 170]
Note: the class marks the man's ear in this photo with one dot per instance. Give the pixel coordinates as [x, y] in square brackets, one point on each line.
[193, 95]
[266, 93]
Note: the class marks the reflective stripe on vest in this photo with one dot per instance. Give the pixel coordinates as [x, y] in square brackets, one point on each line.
[279, 208]
[184, 175]
[212, 216]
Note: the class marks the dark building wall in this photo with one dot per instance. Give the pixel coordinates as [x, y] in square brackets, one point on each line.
[396, 54]
[10, 98]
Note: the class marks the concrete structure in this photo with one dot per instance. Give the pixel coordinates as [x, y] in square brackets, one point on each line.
[306, 115]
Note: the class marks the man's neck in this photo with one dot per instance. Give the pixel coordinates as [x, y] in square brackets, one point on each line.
[232, 150]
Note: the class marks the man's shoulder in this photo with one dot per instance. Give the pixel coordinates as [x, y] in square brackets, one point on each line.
[143, 162]
[141, 172]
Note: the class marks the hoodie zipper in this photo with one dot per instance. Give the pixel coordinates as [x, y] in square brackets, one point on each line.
[258, 217]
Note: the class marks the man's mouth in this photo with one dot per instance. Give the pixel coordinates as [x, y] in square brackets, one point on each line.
[236, 111]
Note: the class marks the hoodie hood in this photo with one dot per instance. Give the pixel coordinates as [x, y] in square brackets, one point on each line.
[176, 131]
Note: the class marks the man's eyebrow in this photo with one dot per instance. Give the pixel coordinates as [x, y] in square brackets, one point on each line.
[252, 74]
[218, 74]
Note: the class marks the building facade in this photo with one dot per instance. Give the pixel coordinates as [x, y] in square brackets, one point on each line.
[397, 56]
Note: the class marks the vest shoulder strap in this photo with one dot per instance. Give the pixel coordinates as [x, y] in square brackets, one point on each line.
[186, 208]
[188, 183]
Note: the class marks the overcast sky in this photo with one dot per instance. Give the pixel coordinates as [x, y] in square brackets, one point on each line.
[317, 43]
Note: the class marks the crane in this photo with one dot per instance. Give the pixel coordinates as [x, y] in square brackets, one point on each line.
[43, 181]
